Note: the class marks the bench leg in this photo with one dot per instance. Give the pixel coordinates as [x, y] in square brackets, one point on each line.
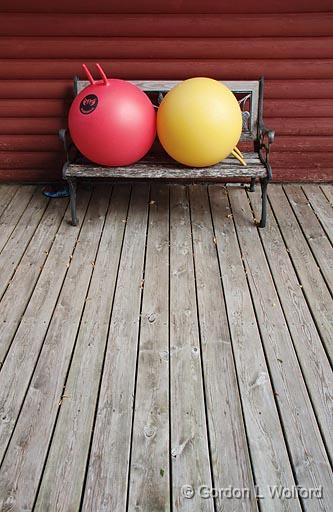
[252, 185]
[263, 183]
[72, 192]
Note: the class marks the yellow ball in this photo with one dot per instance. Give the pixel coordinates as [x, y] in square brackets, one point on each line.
[199, 122]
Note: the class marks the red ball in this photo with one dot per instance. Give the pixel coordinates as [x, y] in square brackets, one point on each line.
[112, 122]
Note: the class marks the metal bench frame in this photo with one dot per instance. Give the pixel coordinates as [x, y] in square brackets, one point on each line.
[253, 130]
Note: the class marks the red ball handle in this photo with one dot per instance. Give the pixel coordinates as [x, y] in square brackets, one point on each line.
[101, 72]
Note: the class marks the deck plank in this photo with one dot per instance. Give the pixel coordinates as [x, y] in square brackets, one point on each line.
[7, 193]
[63, 476]
[29, 443]
[321, 207]
[314, 286]
[313, 231]
[12, 305]
[191, 463]
[149, 477]
[106, 484]
[18, 367]
[20, 238]
[328, 192]
[225, 419]
[310, 351]
[13, 213]
[308, 454]
[269, 454]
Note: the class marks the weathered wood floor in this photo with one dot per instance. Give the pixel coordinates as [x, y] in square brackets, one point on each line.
[166, 354]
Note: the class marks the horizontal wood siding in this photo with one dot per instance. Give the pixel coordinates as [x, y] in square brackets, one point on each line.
[42, 47]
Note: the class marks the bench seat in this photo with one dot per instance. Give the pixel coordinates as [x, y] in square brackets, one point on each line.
[161, 167]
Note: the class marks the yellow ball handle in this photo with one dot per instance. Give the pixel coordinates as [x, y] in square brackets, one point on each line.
[237, 154]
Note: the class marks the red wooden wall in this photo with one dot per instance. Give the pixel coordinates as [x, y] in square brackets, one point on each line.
[42, 46]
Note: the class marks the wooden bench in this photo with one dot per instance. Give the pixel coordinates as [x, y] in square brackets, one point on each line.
[160, 166]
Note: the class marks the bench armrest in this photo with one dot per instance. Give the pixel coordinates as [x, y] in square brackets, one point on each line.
[65, 138]
[72, 152]
[266, 133]
[265, 139]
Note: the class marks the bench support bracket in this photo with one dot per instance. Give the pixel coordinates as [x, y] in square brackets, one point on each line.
[72, 192]
[263, 183]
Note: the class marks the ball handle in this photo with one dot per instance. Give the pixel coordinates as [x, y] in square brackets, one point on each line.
[89, 75]
[101, 72]
[237, 154]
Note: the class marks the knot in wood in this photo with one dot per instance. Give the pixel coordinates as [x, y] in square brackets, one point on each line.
[152, 317]
[149, 431]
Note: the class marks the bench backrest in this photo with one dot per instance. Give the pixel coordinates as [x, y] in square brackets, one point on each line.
[249, 94]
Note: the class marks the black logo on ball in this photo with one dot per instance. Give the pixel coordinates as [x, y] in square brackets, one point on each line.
[88, 104]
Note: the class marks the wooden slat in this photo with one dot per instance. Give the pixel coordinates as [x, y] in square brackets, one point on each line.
[25, 176]
[20, 238]
[12, 214]
[310, 352]
[48, 89]
[269, 455]
[32, 327]
[170, 68]
[173, 6]
[223, 401]
[328, 192]
[29, 443]
[298, 107]
[313, 231]
[7, 192]
[169, 169]
[31, 143]
[70, 446]
[106, 485]
[309, 88]
[166, 48]
[300, 143]
[26, 125]
[167, 85]
[308, 455]
[59, 89]
[168, 25]
[25, 159]
[301, 126]
[32, 108]
[321, 207]
[314, 287]
[12, 305]
[149, 478]
[191, 464]
[323, 174]
[294, 160]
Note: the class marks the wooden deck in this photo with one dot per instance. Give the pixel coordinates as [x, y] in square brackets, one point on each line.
[165, 354]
